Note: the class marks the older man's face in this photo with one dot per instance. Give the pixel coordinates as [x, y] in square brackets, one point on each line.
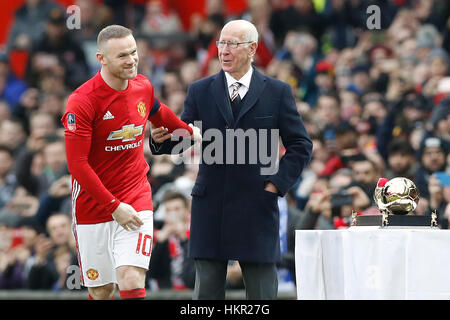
[235, 61]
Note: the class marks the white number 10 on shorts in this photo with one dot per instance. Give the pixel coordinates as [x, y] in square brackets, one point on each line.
[103, 247]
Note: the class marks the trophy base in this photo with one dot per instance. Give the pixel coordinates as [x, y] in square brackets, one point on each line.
[395, 221]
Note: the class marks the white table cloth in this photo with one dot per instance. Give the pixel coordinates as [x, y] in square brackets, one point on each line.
[373, 263]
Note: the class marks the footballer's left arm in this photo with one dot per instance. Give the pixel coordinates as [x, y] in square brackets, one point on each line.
[162, 116]
[165, 122]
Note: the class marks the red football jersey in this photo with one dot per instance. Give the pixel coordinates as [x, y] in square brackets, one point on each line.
[104, 135]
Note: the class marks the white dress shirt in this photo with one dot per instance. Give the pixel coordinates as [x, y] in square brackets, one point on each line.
[244, 81]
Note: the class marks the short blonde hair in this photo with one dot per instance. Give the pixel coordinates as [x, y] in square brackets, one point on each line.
[111, 32]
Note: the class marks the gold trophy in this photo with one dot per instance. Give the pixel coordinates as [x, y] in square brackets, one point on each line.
[396, 199]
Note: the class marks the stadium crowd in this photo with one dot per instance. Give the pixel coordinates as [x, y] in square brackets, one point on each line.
[376, 103]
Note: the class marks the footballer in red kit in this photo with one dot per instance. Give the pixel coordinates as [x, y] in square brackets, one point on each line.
[112, 209]
[108, 126]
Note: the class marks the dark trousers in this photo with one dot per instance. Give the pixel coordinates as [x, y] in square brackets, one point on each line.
[260, 280]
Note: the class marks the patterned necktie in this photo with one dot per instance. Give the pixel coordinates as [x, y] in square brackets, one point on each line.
[235, 92]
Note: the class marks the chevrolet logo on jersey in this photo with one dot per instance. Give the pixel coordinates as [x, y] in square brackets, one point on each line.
[127, 133]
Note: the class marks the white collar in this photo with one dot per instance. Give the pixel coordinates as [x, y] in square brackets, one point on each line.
[245, 80]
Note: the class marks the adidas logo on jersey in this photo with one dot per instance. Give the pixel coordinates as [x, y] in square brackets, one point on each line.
[108, 115]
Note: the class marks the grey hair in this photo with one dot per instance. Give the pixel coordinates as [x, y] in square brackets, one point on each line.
[249, 29]
[251, 32]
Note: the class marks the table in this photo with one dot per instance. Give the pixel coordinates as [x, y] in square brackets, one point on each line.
[373, 263]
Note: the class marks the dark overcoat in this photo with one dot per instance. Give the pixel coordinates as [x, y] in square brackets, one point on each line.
[233, 217]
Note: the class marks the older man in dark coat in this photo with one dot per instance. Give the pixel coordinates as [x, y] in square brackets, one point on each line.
[235, 216]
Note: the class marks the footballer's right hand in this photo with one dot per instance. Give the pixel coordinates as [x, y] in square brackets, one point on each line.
[127, 217]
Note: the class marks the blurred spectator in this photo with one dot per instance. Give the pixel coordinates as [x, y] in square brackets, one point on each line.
[439, 120]
[433, 158]
[213, 67]
[57, 54]
[169, 265]
[29, 102]
[29, 23]
[8, 181]
[148, 65]
[171, 82]
[309, 176]
[286, 71]
[330, 205]
[443, 90]
[324, 78]
[320, 155]
[118, 8]
[176, 101]
[42, 125]
[416, 108]
[54, 166]
[16, 250]
[382, 63]
[367, 141]
[12, 135]
[53, 255]
[300, 15]
[21, 207]
[347, 144]
[339, 32]
[438, 61]
[205, 31]
[11, 88]
[304, 53]
[162, 170]
[361, 82]
[366, 175]
[94, 17]
[373, 108]
[56, 199]
[346, 150]
[401, 161]
[42, 128]
[397, 122]
[328, 111]
[289, 222]
[184, 176]
[351, 109]
[259, 12]
[439, 201]
[446, 35]
[52, 103]
[5, 112]
[157, 22]
[189, 72]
